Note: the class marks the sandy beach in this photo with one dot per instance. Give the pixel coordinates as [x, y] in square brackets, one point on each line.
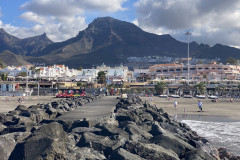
[188, 106]
[10, 103]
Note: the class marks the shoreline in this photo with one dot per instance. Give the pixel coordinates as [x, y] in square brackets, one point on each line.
[10, 103]
[188, 108]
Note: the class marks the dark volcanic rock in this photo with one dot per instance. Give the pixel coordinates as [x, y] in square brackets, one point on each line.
[150, 151]
[8, 143]
[224, 154]
[136, 130]
[197, 155]
[122, 154]
[169, 141]
[48, 141]
[100, 143]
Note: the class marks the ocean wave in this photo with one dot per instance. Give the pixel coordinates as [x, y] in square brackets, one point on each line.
[221, 134]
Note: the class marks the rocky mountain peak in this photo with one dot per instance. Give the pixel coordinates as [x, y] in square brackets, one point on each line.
[2, 30]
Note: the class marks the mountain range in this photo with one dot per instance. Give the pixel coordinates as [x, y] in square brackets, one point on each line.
[105, 40]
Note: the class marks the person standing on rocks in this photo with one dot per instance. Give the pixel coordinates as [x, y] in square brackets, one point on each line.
[200, 105]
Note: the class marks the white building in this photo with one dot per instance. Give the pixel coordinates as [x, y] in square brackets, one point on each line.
[87, 75]
[14, 71]
[56, 72]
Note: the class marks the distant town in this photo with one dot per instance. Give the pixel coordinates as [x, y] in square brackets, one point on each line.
[218, 79]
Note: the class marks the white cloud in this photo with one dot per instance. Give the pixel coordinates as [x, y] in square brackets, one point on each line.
[33, 17]
[213, 21]
[60, 19]
[71, 7]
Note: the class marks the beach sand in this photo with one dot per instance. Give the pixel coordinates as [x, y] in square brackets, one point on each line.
[10, 103]
[223, 108]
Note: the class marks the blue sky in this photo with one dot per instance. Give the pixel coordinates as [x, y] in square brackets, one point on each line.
[209, 21]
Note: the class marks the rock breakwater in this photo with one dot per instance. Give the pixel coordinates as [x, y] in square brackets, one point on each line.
[135, 130]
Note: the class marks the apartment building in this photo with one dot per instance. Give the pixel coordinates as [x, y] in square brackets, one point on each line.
[199, 72]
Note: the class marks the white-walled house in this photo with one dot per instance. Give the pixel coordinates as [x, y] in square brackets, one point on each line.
[14, 71]
[87, 75]
[55, 72]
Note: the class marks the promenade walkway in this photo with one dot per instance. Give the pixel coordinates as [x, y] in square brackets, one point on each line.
[97, 109]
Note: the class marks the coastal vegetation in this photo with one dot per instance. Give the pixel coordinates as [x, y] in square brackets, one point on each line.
[101, 78]
[160, 87]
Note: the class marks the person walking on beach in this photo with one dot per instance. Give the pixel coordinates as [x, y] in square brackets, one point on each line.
[200, 105]
[175, 104]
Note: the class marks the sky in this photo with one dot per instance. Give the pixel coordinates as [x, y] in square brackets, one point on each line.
[209, 21]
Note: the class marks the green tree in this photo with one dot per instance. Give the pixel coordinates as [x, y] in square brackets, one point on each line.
[232, 61]
[3, 76]
[80, 68]
[35, 70]
[200, 62]
[160, 87]
[201, 88]
[101, 78]
[221, 89]
[23, 74]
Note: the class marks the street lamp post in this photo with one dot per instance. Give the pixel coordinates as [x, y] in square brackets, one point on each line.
[188, 34]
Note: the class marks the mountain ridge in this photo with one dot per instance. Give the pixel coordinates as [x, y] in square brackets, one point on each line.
[111, 41]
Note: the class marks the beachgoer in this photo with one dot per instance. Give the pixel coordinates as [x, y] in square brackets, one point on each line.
[200, 105]
[175, 104]
[150, 98]
[19, 100]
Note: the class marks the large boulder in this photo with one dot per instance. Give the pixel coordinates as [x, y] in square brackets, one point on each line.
[136, 133]
[197, 155]
[85, 153]
[122, 154]
[9, 141]
[169, 141]
[150, 151]
[47, 142]
[100, 143]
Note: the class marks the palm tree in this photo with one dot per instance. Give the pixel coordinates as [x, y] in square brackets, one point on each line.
[201, 88]
[3, 76]
[23, 74]
[101, 78]
[160, 87]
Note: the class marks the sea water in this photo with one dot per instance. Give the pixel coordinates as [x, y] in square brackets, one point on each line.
[219, 131]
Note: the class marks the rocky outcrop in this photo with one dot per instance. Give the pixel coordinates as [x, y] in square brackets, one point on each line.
[30, 132]
[136, 130]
